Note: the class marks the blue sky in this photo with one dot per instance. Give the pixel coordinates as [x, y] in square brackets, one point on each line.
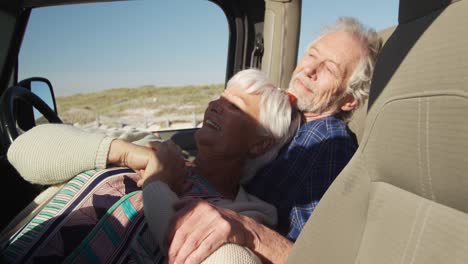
[90, 47]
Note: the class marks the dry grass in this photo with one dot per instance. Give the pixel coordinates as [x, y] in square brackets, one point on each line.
[115, 103]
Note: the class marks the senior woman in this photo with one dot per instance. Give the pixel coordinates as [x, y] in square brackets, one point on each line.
[242, 130]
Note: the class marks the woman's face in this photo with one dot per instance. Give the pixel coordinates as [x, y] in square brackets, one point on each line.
[230, 125]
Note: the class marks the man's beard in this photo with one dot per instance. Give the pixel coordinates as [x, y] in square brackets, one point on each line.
[307, 101]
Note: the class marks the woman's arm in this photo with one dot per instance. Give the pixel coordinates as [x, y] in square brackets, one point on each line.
[54, 153]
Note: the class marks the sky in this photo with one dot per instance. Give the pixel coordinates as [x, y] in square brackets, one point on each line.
[89, 47]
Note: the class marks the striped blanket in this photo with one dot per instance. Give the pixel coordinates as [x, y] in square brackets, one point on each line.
[97, 217]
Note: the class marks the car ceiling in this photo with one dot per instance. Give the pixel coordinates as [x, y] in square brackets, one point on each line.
[39, 3]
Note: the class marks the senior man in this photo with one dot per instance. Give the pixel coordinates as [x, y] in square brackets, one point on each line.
[330, 81]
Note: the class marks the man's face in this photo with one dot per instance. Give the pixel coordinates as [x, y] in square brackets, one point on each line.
[320, 78]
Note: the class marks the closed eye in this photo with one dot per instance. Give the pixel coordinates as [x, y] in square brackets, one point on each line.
[312, 53]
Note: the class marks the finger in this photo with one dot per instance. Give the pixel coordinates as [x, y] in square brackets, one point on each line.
[175, 242]
[139, 173]
[173, 145]
[153, 145]
[140, 183]
[182, 213]
[185, 243]
[195, 240]
[181, 224]
[170, 142]
[206, 248]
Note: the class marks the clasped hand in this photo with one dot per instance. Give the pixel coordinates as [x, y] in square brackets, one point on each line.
[156, 161]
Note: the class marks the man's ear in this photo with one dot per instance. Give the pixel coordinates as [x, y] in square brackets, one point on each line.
[349, 103]
[261, 147]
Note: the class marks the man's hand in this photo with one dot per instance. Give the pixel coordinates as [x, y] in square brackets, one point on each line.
[199, 228]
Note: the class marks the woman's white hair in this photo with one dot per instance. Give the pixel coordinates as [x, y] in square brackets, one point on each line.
[278, 119]
[360, 80]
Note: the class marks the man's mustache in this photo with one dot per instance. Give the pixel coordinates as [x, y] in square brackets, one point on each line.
[305, 80]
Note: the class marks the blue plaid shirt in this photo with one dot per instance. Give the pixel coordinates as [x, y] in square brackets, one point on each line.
[296, 180]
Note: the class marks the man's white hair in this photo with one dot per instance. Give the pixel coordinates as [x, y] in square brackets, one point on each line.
[278, 119]
[360, 80]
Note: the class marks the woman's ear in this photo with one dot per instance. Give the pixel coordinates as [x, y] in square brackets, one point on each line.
[260, 147]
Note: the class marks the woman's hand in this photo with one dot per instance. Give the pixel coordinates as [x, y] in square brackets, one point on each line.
[156, 161]
[171, 167]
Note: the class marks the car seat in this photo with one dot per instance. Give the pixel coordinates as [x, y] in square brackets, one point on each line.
[403, 196]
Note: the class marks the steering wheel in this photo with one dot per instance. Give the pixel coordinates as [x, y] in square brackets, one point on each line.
[7, 115]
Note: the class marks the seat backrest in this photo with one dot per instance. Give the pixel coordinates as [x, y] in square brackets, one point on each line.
[356, 124]
[403, 197]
